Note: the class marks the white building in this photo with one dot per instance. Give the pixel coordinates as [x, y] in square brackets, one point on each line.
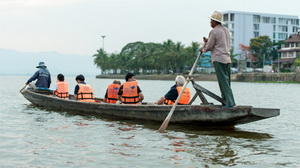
[244, 26]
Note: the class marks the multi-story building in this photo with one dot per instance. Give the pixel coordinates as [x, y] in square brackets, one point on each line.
[290, 50]
[243, 26]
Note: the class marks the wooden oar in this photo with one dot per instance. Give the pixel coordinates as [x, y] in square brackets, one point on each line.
[23, 88]
[167, 120]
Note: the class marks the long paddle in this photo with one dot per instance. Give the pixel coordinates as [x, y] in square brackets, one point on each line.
[165, 124]
[23, 88]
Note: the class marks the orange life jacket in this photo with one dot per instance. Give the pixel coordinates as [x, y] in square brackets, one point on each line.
[62, 90]
[112, 93]
[85, 93]
[130, 93]
[185, 98]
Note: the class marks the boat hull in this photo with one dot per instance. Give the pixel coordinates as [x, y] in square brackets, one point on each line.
[202, 115]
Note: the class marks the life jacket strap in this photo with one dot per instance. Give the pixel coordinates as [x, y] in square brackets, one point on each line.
[83, 98]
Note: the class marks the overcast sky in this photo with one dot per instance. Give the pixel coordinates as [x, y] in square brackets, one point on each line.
[76, 26]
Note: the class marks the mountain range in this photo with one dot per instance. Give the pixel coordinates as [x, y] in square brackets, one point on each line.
[14, 62]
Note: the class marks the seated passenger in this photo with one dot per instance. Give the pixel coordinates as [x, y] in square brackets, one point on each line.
[83, 91]
[171, 96]
[111, 95]
[130, 92]
[61, 87]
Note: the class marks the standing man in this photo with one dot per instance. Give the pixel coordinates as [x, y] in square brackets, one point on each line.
[218, 43]
[43, 77]
[130, 92]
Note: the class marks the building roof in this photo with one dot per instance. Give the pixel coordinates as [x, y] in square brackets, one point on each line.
[285, 60]
[289, 50]
[294, 38]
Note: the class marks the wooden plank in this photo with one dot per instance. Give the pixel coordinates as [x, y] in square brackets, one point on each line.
[193, 99]
[203, 99]
[209, 93]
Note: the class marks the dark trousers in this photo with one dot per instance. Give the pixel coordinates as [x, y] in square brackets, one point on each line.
[223, 74]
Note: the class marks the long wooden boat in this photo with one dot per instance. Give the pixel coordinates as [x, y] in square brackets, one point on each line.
[201, 115]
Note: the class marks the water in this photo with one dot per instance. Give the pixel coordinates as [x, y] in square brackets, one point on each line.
[34, 137]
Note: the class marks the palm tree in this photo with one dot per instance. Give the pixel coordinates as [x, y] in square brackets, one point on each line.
[101, 60]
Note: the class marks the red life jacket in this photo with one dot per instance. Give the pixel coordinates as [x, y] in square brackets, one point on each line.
[112, 93]
[62, 90]
[85, 93]
[130, 93]
[185, 98]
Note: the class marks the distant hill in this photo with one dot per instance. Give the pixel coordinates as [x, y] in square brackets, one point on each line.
[13, 62]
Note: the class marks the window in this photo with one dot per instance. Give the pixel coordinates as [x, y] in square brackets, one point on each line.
[289, 54]
[283, 28]
[266, 19]
[225, 17]
[274, 27]
[283, 21]
[273, 20]
[231, 26]
[282, 36]
[255, 26]
[283, 55]
[226, 25]
[231, 17]
[295, 29]
[274, 35]
[256, 34]
[287, 45]
[256, 18]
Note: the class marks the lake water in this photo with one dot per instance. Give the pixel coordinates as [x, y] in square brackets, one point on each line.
[34, 137]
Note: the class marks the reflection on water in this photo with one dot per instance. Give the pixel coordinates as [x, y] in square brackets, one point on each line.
[214, 146]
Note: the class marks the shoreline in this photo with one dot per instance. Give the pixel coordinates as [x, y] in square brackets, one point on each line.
[206, 77]
[239, 77]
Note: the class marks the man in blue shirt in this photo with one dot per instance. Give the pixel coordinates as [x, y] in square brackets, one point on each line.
[43, 77]
[173, 92]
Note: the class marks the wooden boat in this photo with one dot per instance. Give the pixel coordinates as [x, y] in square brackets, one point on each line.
[205, 114]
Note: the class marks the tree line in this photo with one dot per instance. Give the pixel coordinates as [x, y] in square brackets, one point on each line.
[169, 56]
[146, 58]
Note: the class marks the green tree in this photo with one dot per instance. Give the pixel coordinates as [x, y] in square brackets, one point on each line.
[148, 57]
[274, 52]
[101, 60]
[232, 56]
[261, 47]
[296, 62]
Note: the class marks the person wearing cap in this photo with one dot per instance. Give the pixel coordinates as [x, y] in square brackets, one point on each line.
[130, 92]
[218, 42]
[43, 77]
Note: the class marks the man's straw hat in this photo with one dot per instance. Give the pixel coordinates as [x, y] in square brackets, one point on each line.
[217, 16]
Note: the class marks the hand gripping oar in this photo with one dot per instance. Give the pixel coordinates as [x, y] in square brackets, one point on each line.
[23, 88]
[164, 125]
